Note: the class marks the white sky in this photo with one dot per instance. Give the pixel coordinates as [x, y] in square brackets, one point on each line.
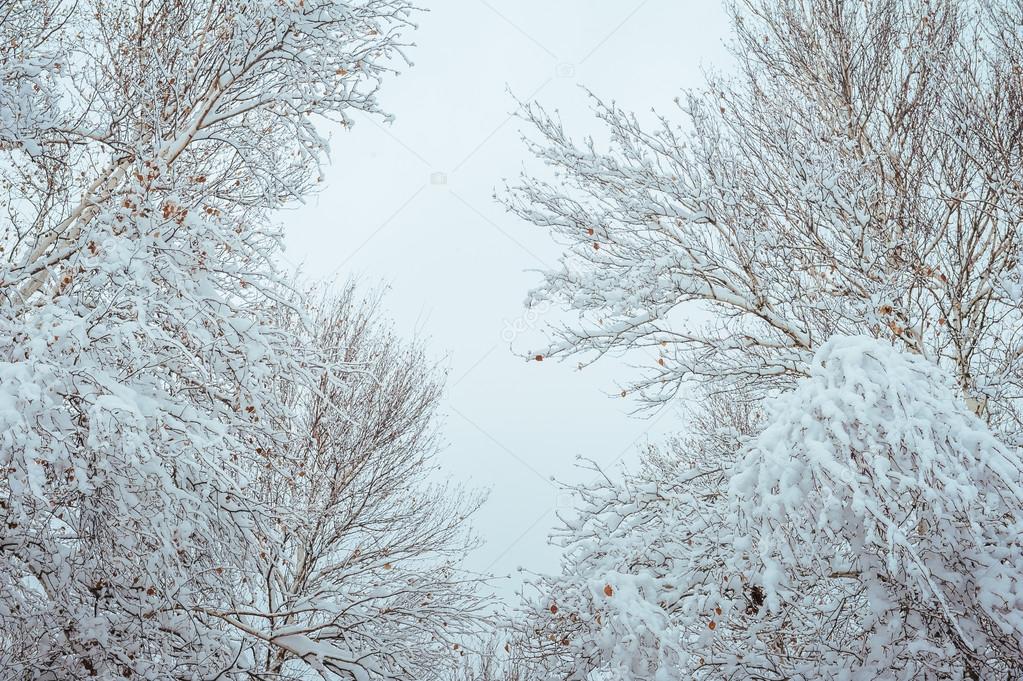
[411, 204]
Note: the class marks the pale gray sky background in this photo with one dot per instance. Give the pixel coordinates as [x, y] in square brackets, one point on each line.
[411, 204]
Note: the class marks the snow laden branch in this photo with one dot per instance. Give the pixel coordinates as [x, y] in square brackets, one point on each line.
[212, 106]
[639, 554]
[860, 173]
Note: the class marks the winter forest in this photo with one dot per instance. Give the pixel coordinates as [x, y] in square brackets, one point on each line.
[803, 264]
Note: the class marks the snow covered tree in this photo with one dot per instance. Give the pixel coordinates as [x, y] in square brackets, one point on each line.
[27, 99]
[870, 530]
[143, 146]
[832, 235]
[367, 570]
[860, 173]
[882, 520]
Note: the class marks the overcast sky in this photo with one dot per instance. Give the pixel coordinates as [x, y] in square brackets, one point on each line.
[410, 204]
